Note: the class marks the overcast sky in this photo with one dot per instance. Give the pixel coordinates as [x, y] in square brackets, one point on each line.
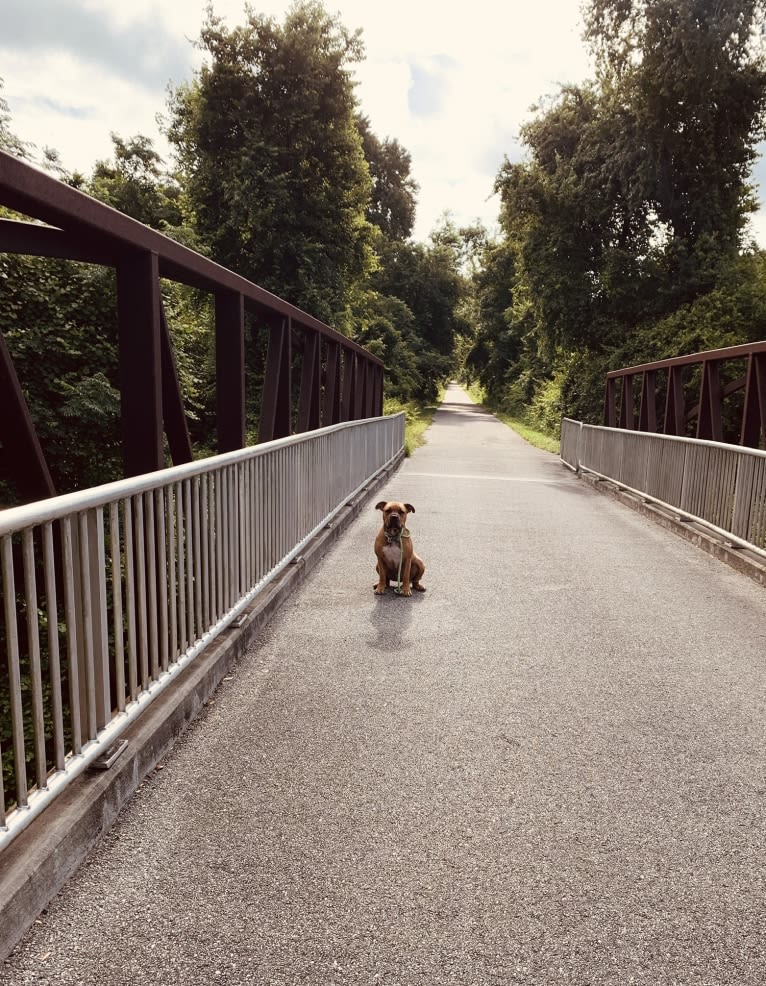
[451, 82]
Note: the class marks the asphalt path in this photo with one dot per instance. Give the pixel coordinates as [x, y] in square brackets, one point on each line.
[548, 768]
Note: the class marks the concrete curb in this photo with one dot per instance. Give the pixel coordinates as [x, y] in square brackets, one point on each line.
[748, 563]
[39, 862]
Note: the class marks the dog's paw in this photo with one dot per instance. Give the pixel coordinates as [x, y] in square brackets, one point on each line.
[406, 591]
[419, 587]
[379, 591]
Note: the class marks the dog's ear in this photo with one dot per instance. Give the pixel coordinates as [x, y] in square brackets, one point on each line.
[409, 508]
[381, 505]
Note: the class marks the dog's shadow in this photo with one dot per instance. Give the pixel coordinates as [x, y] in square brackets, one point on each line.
[390, 617]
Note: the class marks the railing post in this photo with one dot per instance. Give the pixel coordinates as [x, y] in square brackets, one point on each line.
[92, 656]
[744, 499]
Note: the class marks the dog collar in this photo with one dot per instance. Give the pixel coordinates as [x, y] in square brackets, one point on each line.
[404, 533]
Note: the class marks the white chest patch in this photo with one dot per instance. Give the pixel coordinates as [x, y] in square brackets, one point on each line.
[391, 555]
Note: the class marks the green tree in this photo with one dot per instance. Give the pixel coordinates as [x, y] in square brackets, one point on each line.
[134, 183]
[586, 257]
[624, 229]
[497, 345]
[58, 319]
[9, 142]
[428, 280]
[272, 159]
[691, 75]
[393, 198]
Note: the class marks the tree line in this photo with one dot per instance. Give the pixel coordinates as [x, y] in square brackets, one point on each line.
[278, 176]
[623, 233]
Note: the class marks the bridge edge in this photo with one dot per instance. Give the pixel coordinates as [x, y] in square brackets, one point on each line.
[39, 862]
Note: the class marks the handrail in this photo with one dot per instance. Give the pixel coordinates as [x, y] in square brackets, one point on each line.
[730, 352]
[106, 595]
[722, 487]
[15, 519]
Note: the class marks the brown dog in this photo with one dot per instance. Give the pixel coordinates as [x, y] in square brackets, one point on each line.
[394, 551]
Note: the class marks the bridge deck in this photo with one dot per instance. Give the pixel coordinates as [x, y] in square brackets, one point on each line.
[547, 769]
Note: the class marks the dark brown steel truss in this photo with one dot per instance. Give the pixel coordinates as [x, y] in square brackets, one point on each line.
[692, 389]
[340, 381]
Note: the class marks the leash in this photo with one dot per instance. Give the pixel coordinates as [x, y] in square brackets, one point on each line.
[404, 533]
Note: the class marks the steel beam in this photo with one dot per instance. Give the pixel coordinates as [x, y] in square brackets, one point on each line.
[230, 370]
[34, 240]
[610, 403]
[276, 400]
[33, 193]
[647, 414]
[21, 445]
[331, 396]
[310, 394]
[675, 410]
[627, 411]
[349, 385]
[710, 418]
[754, 411]
[140, 363]
[358, 396]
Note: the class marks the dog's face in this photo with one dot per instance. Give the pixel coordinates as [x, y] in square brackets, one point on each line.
[394, 514]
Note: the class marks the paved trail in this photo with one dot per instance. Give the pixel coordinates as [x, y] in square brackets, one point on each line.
[547, 769]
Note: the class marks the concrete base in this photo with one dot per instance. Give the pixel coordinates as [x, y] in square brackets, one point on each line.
[747, 562]
[41, 859]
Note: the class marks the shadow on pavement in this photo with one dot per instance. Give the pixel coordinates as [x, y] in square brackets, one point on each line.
[391, 616]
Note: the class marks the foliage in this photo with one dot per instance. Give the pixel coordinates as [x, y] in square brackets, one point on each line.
[58, 320]
[281, 178]
[135, 184]
[497, 341]
[9, 142]
[541, 439]
[271, 157]
[393, 195]
[418, 418]
[623, 234]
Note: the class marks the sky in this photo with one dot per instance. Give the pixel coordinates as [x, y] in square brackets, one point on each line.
[453, 83]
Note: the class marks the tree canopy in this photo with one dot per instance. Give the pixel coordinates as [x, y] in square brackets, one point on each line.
[623, 231]
[271, 157]
[634, 200]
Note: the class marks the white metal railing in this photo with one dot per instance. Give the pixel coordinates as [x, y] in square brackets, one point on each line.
[722, 486]
[108, 594]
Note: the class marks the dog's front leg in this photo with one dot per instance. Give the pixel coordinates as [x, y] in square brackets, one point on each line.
[406, 589]
[380, 588]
